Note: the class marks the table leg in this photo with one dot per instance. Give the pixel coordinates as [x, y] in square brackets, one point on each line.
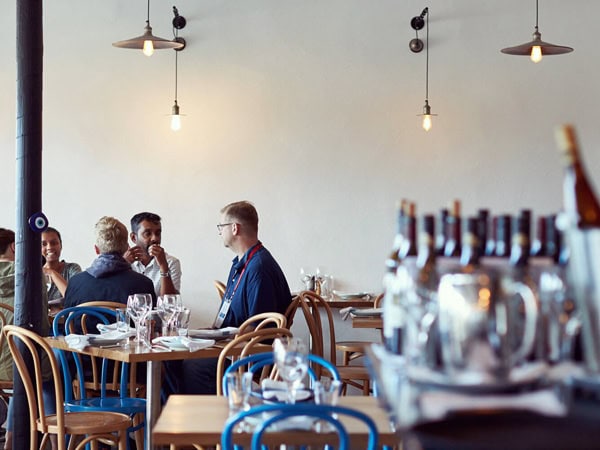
[152, 399]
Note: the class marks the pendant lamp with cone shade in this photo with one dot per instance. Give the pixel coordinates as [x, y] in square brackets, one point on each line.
[537, 48]
[147, 42]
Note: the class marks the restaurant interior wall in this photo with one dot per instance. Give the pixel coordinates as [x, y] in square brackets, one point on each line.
[308, 109]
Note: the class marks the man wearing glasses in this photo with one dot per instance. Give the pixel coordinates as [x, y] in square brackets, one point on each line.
[255, 284]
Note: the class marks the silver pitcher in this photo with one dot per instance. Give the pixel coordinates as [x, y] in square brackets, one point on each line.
[487, 323]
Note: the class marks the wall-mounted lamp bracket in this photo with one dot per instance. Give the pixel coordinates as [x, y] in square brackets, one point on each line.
[418, 22]
[179, 22]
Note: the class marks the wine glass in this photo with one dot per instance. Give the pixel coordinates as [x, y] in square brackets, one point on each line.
[138, 306]
[307, 278]
[291, 360]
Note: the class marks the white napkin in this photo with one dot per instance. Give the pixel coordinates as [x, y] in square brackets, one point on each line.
[114, 334]
[77, 341]
[214, 333]
[273, 385]
[345, 312]
[182, 342]
[436, 404]
[197, 344]
[108, 328]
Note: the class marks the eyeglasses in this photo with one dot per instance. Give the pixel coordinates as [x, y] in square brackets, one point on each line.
[220, 226]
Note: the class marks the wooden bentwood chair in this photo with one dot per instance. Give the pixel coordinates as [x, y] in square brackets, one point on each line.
[323, 338]
[91, 427]
[6, 318]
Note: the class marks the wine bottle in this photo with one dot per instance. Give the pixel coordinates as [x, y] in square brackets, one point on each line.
[482, 229]
[491, 241]
[520, 241]
[393, 315]
[502, 247]
[427, 285]
[393, 260]
[409, 244]
[538, 247]
[580, 201]
[440, 238]
[453, 234]
[470, 254]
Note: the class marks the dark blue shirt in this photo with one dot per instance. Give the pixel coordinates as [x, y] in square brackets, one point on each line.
[262, 287]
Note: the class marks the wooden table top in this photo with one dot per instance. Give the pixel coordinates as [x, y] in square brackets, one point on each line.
[367, 322]
[199, 419]
[133, 353]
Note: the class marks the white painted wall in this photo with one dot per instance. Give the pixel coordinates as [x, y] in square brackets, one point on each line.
[307, 108]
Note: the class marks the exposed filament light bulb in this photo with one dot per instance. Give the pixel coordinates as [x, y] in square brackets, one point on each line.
[536, 53]
[426, 116]
[175, 118]
[148, 49]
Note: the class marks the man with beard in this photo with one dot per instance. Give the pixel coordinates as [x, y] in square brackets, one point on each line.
[149, 258]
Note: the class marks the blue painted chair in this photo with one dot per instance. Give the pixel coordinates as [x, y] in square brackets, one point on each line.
[267, 415]
[110, 379]
[258, 361]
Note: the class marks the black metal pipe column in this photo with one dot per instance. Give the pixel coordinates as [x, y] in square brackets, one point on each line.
[28, 282]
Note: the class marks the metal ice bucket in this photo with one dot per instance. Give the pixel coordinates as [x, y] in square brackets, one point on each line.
[584, 276]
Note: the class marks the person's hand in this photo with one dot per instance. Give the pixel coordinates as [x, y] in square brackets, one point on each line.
[158, 252]
[134, 253]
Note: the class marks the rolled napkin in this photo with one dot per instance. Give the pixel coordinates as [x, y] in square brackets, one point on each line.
[437, 404]
[77, 341]
[273, 385]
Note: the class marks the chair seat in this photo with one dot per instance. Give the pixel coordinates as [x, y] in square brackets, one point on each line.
[353, 372]
[128, 405]
[80, 423]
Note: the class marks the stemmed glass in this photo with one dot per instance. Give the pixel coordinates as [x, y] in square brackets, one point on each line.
[138, 306]
[291, 360]
[167, 306]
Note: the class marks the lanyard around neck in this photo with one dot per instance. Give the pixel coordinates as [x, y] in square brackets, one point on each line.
[250, 255]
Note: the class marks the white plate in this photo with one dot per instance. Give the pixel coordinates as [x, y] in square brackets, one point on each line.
[353, 295]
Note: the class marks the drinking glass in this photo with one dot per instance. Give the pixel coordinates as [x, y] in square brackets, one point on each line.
[307, 278]
[558, 307]
[327, 392]
[166, 306]
[181, 321]
[138, 306]
[239, 388]
[291, 360]
[121, 320]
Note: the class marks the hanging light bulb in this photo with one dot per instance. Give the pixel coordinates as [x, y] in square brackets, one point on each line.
[175, 118]
[416, 45]
[148, 48]
[426, 116]
[536, 53]
[536, 48]
[178, 23]
[147, 42]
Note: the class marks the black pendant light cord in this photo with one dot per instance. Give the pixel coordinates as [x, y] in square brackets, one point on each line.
[176, 56]
[148, 13]
[536, 15]
[427, 59]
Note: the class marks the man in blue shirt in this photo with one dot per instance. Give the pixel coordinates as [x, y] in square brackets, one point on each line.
[256, 284]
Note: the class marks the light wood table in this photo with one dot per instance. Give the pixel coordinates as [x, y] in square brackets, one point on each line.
[367, 322]
[200, 419]
[138, 354]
